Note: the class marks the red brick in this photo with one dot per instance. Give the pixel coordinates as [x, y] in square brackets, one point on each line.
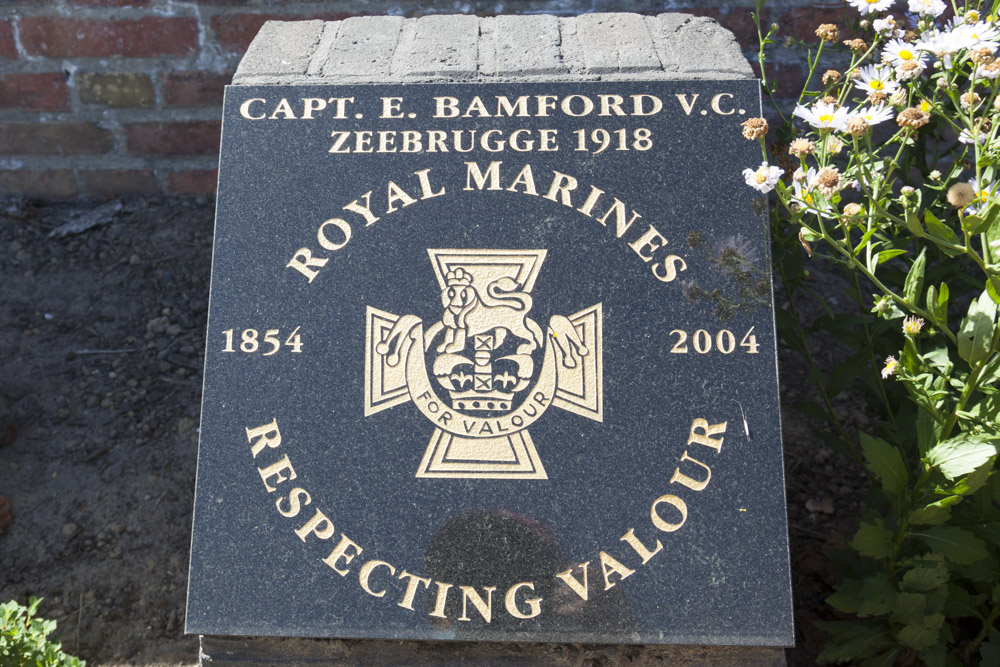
[114, 182]
[111, 3]
[195, 89]
[53, 139]
[47, 184]
[57, 37]
[801, 23]
[234, 32]
[194, 182]
[7, 47]
[179, 138]
[34, 92]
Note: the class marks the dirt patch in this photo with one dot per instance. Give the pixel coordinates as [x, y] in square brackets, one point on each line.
[101, 349]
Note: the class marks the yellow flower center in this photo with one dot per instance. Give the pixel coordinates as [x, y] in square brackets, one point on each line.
[760, 177]
[984, 196]
[925, 106]
[906, 55]
[876, 85]
[808, 198]
[826, 118]
[871, 2]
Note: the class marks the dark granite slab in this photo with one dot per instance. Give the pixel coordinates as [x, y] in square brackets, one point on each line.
[525, 388]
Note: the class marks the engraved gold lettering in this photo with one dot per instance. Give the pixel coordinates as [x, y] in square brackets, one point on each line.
[366, 572]
[717, 109]
[485, 608]
[342, 551]
[580, 589]
[610, 565]
[618, 208]
[651, 240]
[303, 262]
[584, 110]
[638, 105]
[364, 210]
[264, 436]
[411, 589]
[561, 186]
[525, 179]
[318, 525]
[667, 272]
[294, 504]
[311, 104]
[693, 484]
[245, 109]
[397, 194]
[510, 601]
[339, 139]
[644, 552]
[325, 241]
[426, 191]
[283, 108]
[706, 437]
[474, 174]
[611, 103]
[687, 106]
[588, 206]
[275, 470]
[476, 105]
[440, 600]
[658, 520]
[504, 107]
[391, 107]
[386, 141]
[340, 106]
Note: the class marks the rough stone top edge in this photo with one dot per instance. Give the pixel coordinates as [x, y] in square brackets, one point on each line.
[453, 48]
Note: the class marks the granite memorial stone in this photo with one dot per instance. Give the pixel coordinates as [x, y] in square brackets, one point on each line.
[491, 348]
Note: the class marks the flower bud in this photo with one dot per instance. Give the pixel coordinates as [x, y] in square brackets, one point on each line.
[961, 195]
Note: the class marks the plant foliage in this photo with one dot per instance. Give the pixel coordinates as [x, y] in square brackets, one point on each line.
[888, 168]
[24, 638]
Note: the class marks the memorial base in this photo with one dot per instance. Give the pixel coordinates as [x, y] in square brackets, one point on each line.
[293, 652]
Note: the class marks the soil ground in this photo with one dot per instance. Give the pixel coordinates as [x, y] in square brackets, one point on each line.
[101, 350]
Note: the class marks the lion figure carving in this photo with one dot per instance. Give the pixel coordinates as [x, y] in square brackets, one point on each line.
[500, 307]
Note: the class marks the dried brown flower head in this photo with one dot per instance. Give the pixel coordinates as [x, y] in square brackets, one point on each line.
[830, 76]
[910, 36]
[754, 128]
[801, 147]
[912, 117]
[853, 210]
[828, 32]
[856, 44]
[981, 56]
[828, 180]
[961, 195]
[969, 100]
[787, 163]
[898, 98]
[830, 99]
[877, 97]
[857, 126]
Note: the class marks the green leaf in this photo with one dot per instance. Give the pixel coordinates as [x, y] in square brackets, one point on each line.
[928, 431]
[962, 454]
[878, 596]
[993, 289]
[872, 539]
[974, 224]
[972, 483]
[990, 653]
[924, 578]
[976, 332]
[955, 544]
[913, 224]
[930, 515]
[909, 608]
[989, 219]
[940, 231]
[846, 373]
[923, 635]
[852, 640]
[885, 255]
[960, 604]
[914, 284]
[886, 462]
[847, 597]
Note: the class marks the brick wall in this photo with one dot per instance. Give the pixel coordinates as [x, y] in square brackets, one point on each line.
[100, 98]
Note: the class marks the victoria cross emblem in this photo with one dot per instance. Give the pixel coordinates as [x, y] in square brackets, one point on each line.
[485, 371]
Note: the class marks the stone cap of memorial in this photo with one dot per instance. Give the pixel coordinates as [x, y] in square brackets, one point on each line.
[453, 48]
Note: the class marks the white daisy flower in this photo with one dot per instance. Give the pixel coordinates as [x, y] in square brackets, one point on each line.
[979, 35]
[897, 51]
[887, 27]
[868, 6]
[822, 116]
[983, 196]
[805, 193]
[874, 114]
[927, 7]
[966, 138]
[909, 69]
[873, 79]
[764, 178]
[943, 44]
[991, 71]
